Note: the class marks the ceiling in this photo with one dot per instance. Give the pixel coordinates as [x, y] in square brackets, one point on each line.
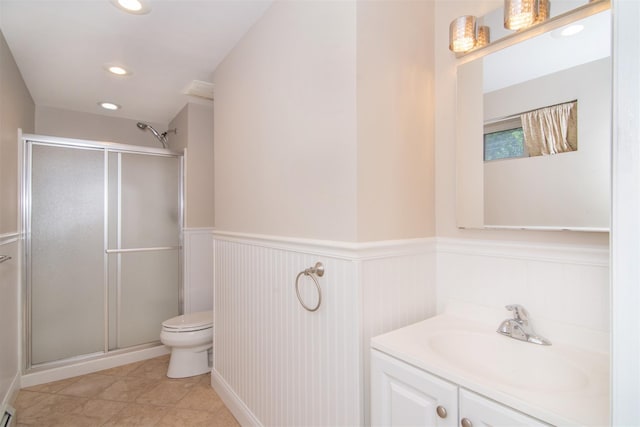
[62, 47]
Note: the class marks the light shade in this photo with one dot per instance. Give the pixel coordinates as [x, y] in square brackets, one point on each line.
[484, 36]
[519, 14]
[542, 12]
[462, 33]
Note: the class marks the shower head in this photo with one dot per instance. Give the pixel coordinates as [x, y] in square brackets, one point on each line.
[161, 137]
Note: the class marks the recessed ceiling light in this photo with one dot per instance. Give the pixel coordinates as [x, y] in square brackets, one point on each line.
[138, 7]
[117, 70]
[109, 105]
[132, 5]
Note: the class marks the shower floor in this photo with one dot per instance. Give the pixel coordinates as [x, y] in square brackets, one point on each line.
[138, 394]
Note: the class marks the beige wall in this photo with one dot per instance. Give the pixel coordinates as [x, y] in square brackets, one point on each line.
[445, 130]
[95, 127]
[194, 124]
[16, 111]
[285, 125]
[324, 123]
[395, 104]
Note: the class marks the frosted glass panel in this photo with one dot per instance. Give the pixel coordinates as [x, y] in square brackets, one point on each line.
[150, 201]
[149, 295]
[67, 258]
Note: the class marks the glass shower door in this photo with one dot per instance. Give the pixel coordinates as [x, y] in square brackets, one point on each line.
[103, 247]
[66, 256]
[144, 254]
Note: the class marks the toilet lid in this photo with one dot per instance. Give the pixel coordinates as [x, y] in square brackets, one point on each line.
[197, 320]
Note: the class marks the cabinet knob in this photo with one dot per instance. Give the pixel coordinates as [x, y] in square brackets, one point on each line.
[465, 422]
[442, 413]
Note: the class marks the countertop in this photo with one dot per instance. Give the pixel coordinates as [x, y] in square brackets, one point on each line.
[580, 397]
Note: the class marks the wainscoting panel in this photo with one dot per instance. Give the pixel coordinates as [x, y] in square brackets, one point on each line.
[278, 364]
[396, 291]
[198, 269]
[288, 366]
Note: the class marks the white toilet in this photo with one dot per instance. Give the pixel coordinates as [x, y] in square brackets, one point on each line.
[190, 337]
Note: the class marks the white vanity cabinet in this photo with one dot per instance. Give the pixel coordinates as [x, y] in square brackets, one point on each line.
[478, 411]
[403, 395]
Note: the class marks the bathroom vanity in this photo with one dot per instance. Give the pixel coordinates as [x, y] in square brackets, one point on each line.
[448, 371]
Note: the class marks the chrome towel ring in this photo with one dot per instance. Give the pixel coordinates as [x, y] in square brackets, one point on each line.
[313, 272]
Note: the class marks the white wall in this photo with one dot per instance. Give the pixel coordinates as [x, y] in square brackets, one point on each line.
[52, 121]
[625, 269]
[277, 364]
[565, 288]
[323, 130]
[10, 315]
[198, 269]
[16, 111]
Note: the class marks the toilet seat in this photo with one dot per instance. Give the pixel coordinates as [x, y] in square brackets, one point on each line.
[191, 322]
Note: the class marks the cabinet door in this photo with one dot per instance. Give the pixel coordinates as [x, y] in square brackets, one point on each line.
[402, 395]
[482, 412]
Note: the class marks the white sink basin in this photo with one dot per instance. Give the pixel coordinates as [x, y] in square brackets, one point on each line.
[508, 361]
[559, 384]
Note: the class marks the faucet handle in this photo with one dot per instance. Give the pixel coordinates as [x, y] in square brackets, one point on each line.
[519, 312]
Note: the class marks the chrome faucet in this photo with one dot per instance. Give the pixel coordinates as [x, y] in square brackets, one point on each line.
[519, 327]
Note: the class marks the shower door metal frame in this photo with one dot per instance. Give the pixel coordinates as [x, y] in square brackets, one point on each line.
[27, 142]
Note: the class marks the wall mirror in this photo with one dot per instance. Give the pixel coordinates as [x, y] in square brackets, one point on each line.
[502, 184]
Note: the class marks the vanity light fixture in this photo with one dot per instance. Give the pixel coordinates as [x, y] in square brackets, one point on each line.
[462, 33]
[520, 14]
[137, 7]
[109, 105]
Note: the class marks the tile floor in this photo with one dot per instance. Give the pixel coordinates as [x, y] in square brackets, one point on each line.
[138, 394]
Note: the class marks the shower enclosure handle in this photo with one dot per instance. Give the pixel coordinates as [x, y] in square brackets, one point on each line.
[4, 258]
[159, 248]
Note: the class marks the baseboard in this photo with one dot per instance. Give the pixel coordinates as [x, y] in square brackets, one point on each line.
[91, 366]
[237, 407]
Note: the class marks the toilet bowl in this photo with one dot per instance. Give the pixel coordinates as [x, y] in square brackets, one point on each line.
[190, 337]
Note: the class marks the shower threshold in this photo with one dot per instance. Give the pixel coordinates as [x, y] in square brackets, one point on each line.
[89, 363]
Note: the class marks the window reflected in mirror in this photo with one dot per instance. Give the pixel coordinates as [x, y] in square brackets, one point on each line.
[542, 132]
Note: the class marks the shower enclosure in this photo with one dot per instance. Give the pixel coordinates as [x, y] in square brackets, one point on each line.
[103, 247]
